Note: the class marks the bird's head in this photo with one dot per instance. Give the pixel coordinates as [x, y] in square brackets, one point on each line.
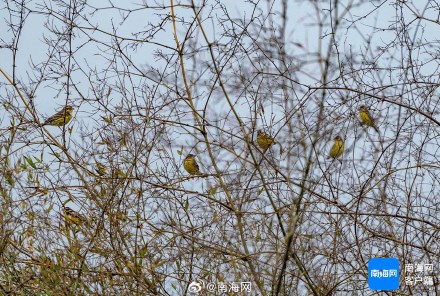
[362, 108]
[68, 211]
[338, 138]
[190, 156]
[68, 109]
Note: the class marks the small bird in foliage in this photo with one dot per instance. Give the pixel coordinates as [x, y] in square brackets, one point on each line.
[100, 169]
[264, 140]
[366, 118]
[61, 117]
[190, 165]
[337, 148]
[74, 217]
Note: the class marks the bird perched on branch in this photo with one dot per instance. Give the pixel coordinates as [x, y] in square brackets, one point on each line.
[60, 118]
[337, 148]
[366, 118]
[101, 169]
[190, 165]
[264, 140]
[73, 217]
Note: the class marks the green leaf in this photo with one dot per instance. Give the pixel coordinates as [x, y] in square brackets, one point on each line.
[143, 251]
[9, 174]
[30, 162]
[107, 120]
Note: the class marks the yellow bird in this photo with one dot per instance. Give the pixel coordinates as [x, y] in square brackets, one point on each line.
[264, 140]
[72, 216]
[366, 118]
[61, 117]
[337, 148]
[100, 169]
[190, 165]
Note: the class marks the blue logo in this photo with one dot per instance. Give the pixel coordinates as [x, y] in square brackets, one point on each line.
[383, 273]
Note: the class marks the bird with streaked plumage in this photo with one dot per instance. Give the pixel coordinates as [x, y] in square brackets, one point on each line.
[74, 217]
[337, 148]
[264, 140]
[366, 118]
[60, 118]
[190, 165]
